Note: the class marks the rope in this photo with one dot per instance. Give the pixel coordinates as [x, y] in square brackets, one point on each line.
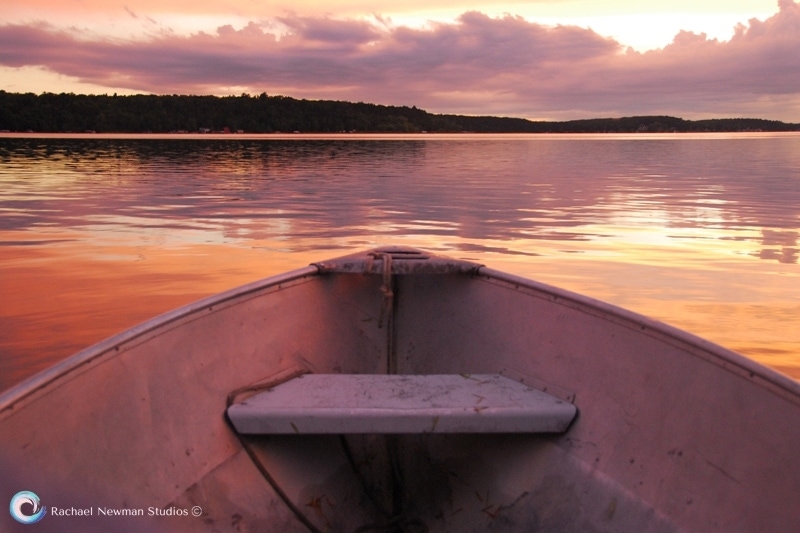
[364, 484]
[396, 520]
[386, 288]
[291, 373]
[281, 377]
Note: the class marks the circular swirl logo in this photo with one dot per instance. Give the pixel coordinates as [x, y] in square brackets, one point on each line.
[26, 497]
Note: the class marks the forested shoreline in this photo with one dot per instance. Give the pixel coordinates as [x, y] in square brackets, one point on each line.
[61, 113]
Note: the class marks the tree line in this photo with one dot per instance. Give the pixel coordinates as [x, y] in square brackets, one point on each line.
[51, 113]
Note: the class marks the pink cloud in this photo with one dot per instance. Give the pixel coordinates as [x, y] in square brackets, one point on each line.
[476, 64]
[330, 31]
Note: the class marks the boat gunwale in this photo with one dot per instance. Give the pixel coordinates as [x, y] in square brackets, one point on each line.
[10, 398]
[725, 358]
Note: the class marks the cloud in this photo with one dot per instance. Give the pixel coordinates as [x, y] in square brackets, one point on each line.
[476, 64]
[330, 32]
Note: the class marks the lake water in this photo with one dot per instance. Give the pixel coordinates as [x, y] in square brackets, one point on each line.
[100, 233]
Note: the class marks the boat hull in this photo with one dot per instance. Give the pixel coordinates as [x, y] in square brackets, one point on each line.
[672, 433]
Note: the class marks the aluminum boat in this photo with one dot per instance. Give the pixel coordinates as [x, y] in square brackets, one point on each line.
[397, 390]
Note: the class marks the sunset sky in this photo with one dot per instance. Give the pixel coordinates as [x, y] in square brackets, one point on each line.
[538, 59]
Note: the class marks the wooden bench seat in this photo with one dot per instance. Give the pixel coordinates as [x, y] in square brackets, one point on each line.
[379, 403]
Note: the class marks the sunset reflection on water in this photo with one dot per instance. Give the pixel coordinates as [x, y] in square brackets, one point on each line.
[97, 235]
